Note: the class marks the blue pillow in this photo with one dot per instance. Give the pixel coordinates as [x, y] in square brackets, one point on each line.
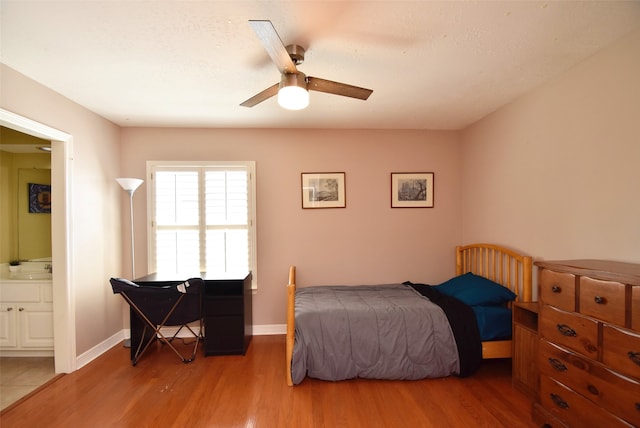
[475, 290]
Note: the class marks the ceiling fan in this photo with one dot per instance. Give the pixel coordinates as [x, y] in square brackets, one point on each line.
[294, 86]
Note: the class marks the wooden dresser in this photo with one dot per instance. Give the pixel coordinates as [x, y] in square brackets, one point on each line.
[589, 349]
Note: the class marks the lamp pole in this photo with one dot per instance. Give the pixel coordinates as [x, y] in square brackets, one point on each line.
[130, 185]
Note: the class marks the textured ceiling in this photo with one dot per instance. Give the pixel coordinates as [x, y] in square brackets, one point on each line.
[431, 64]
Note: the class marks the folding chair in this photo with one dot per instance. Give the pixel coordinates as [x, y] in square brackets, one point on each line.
[158, 307]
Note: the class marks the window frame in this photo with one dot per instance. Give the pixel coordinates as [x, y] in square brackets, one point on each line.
[250, 167]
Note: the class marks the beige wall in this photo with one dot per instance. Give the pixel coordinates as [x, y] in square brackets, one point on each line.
[556, 173]
[11, 193]
[366, 242]
[96, 214]
[34, 229]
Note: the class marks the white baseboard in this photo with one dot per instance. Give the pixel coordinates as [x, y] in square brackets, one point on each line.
[93, 353]
[269, 329]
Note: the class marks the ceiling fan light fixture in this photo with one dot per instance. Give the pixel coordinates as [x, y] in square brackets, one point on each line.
[293, 93]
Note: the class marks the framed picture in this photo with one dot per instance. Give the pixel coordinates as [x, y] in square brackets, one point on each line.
[323, 190]
[412, 190]
[39, 198]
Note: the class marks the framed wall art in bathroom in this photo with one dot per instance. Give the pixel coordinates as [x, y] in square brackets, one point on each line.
[39, 198]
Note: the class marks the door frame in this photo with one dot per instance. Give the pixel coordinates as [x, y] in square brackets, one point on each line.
[64, 329]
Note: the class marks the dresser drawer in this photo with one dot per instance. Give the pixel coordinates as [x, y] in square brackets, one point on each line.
[542, 418]
[558, 289]
[617, 394]
[621, 349]
[635, 308]
[602, 299]
[574, 409]
[571, 330]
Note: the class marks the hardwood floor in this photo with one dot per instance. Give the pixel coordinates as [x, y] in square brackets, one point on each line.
[250, 391]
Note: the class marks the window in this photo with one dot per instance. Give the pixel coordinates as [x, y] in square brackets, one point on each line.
[202, 217]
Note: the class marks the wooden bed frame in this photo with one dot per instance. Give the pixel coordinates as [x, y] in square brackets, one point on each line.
[499, 264]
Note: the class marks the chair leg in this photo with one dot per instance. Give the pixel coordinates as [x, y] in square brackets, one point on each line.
[198, 336]
[158, 335]
[141, 350]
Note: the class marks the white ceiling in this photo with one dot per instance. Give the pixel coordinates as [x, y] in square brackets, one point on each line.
[431, 64]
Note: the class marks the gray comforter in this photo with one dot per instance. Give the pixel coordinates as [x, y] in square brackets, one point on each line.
[387, 332]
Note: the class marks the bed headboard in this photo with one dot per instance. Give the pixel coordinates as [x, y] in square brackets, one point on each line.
[499, 264]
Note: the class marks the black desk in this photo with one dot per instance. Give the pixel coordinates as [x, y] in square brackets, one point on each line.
[226, 305]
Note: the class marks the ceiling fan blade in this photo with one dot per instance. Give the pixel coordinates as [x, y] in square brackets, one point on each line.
[273, 45]
[337, 88]
[262, 96]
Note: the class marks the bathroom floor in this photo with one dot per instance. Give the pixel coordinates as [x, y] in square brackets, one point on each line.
[19, 376]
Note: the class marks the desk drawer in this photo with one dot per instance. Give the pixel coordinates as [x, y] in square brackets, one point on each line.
[558, 289]
[217, 306]
[224, 335]
[571, 330]
[223, 288]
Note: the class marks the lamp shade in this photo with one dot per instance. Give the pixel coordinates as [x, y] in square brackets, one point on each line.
[129, 184]
[293, 94]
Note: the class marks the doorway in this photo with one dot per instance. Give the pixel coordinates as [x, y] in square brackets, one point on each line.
[62, 197]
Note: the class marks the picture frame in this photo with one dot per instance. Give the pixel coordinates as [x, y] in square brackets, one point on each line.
[39, 198]
[323, 190]
[412, 189]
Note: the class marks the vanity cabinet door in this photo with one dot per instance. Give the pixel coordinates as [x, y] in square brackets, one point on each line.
[36, 325]
[26, 317]
[8, 326]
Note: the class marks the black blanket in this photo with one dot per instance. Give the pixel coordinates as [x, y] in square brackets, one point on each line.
[463, 324]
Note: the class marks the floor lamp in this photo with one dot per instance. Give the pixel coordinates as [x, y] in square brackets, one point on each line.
[130, 185]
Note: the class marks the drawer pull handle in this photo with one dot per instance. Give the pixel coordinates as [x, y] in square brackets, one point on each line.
[600, 300]
[558, 401]
[557, 364]
[638, 407]
[565, 330]
[9, 309]
[556, 289]
[634, 356]
[592, 389]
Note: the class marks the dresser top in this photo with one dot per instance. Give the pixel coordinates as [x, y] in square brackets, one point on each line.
[628, 273]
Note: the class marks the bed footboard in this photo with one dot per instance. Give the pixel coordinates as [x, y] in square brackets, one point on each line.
[291, 320]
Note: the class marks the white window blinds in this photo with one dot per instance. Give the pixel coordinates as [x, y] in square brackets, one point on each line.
[202, 217]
